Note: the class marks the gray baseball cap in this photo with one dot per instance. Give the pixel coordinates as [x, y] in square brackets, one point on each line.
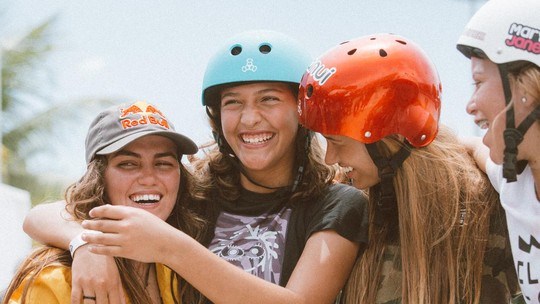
[119, 125]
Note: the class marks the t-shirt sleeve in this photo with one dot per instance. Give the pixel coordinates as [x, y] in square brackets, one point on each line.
[344, 210]
[52, 285]
[494, 173]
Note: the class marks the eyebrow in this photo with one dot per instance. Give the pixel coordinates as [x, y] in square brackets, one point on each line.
[263, 91]
[131, 153]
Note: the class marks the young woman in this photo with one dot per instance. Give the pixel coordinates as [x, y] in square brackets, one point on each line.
[130, 164]
[505, 64]
[436, 232]
[278, 222]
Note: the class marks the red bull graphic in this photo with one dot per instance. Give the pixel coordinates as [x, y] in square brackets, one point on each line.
[141, 114]
[524, 38]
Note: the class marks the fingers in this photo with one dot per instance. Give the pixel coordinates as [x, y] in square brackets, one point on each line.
[101, 296]
[116, 296]
[115, 212]
[90, 298]
[103, 225]
[76, 294]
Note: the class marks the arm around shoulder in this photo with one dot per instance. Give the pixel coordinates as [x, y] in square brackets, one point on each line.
[477, 150]
[61, 229]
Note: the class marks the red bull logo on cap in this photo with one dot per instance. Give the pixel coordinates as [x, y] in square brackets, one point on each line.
[144, 114]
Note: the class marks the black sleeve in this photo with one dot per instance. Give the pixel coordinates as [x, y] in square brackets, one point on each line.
[343, 209]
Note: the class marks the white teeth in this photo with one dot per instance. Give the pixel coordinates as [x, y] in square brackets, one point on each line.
[146, 197]
[347, 169]
[483, 124]
[256, 139]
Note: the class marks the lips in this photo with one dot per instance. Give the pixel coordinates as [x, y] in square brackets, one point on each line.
[482, 124]
[145, 198]
[256, 139]
[347, 171]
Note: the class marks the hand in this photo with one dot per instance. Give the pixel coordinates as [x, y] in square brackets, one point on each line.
[471, 143]
[96, 276]
[128, 232]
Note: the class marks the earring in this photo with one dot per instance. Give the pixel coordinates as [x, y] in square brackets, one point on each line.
[524, 99]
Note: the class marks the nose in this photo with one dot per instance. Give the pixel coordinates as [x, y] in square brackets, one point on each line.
[251, 115]
[147, 175]
[471, 107]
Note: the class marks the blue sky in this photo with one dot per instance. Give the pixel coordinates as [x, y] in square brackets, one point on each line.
[157, 50]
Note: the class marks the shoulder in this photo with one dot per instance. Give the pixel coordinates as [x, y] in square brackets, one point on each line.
[344, 195]
[344, 191]
[341, 208]
[51, 285]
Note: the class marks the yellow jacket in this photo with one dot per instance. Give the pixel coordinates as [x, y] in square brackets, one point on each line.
[53, 285]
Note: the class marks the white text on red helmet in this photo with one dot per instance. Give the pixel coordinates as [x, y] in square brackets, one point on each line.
[320, 73]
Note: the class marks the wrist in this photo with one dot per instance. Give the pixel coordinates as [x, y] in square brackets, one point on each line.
[77, 242]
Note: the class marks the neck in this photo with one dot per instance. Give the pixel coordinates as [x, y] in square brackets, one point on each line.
[266, 181]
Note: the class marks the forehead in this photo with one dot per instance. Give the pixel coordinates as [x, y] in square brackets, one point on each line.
[152, 143]
[256, 87]
[483, 66]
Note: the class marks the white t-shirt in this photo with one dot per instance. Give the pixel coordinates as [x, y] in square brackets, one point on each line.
[523, 217]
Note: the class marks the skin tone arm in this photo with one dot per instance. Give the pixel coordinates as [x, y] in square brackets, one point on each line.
[477, 150]
[320, 273]
[91, 273]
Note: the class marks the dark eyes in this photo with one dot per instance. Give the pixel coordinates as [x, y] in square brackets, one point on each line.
[133, 164]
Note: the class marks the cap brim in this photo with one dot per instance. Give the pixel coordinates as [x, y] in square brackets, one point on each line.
[184, 144]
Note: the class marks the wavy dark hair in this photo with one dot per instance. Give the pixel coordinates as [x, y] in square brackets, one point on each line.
[220, 170]
[89, 192]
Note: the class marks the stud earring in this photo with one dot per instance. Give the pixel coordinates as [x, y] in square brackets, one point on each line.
[524, 99]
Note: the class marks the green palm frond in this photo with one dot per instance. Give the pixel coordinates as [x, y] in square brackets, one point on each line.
[24, 69]
[34, 123]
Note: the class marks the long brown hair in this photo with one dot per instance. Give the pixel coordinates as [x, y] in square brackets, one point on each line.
[89, 192]
[443, 207]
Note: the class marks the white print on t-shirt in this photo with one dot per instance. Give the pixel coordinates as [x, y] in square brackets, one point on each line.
[255, 244]
[522, 210]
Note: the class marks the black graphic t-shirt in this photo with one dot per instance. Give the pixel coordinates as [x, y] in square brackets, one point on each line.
[253, 243]
[263, 235]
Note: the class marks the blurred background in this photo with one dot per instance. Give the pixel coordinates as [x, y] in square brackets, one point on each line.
[63, 61]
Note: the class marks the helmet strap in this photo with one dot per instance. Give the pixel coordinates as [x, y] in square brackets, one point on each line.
[226, 150]
[386, 208]
[513, 136]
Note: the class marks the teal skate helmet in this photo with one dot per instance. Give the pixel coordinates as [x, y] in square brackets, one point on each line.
[254, 56]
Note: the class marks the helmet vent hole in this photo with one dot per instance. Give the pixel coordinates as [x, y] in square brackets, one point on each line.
[309, 91]
[402, 42]
[265, 49]
[351, 52]
[382, 53]
[373, 38]
[236, 50]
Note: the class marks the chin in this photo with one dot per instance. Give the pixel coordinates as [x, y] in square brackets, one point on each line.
[498, 159]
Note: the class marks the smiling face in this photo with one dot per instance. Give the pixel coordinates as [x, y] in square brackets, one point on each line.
[144, 174]
[352, 155]
[260, 124]
[494, 138]
[487, 100]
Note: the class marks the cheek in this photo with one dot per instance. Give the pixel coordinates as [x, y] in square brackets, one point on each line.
[495, 141]
[228, 125]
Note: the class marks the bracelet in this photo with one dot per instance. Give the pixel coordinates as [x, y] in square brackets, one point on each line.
[77, 241]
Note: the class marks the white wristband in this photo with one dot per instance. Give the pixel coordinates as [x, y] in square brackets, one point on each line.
[77, 241]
